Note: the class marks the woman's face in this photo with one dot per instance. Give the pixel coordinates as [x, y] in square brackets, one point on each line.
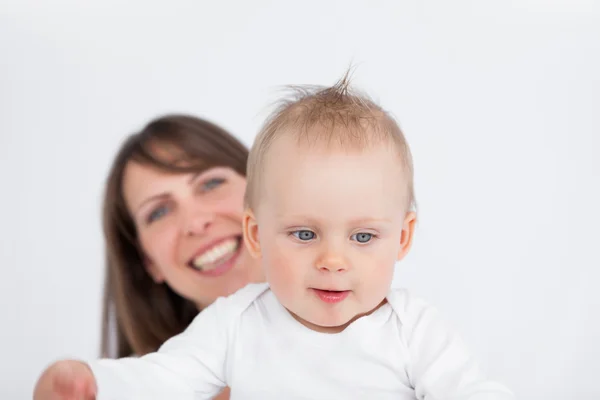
[190, 229]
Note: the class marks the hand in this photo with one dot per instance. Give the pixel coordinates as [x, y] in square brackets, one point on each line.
[66, 380]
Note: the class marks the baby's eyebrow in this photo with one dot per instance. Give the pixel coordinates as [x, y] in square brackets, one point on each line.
[296, 217]
[315, 221]
[365, 220]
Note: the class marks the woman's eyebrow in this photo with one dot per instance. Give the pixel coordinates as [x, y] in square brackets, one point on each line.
[194, 176]
[150, 199]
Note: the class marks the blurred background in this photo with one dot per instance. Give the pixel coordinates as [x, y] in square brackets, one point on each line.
[499, 101]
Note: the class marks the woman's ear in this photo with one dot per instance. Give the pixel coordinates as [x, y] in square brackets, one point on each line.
[408, 229]
[250, 231]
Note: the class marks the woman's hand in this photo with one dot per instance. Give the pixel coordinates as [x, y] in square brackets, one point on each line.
[66, 380]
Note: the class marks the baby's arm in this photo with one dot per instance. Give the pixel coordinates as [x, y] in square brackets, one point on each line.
[188, 366]
[441, 366]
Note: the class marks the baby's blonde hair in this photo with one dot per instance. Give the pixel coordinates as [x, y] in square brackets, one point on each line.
[336, 115]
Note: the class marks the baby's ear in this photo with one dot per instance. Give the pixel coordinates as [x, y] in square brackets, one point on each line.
[250, 230]
[408, 229]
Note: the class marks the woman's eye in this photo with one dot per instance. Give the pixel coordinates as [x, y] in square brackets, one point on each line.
[362, 237]
[304, 235]
[211, 184]
[157, 213]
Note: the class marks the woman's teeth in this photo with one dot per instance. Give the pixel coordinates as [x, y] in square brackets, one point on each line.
[216, 255]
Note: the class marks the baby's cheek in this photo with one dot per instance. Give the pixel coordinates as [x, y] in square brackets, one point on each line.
[280, 271]
[379, 281]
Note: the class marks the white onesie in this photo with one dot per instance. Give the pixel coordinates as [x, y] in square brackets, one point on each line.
[249, 342]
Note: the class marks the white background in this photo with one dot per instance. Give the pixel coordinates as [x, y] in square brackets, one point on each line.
[499, 100]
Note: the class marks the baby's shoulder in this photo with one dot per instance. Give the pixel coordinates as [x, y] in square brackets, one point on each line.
[225, 311]
[404, 301]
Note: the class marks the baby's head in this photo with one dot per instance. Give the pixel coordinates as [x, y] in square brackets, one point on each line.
[328, 204]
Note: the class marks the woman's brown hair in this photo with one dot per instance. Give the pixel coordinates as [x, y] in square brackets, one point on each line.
[139, 314]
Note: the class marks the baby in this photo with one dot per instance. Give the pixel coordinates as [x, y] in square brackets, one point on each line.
[329, 211]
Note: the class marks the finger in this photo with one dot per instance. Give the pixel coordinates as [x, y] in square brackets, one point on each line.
[70, 387]
[64, 387]
[90, 391]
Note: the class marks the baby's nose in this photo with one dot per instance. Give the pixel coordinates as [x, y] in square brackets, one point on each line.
[332, 262]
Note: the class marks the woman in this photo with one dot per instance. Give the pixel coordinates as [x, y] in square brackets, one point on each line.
[173, 229]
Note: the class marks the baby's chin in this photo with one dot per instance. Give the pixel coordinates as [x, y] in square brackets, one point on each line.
[328, 325]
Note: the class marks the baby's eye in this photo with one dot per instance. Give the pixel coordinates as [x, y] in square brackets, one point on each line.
[157, 213]
[211, 184]
[362, 237]
[304, 235]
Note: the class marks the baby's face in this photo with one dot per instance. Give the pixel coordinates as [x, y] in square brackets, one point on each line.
[329, 226]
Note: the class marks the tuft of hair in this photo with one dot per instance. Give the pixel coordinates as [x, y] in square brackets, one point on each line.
[337, 116]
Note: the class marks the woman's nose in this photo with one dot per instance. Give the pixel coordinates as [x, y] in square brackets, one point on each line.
[197, 223]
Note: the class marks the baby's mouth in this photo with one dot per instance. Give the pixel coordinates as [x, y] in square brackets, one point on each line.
[216, 255]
